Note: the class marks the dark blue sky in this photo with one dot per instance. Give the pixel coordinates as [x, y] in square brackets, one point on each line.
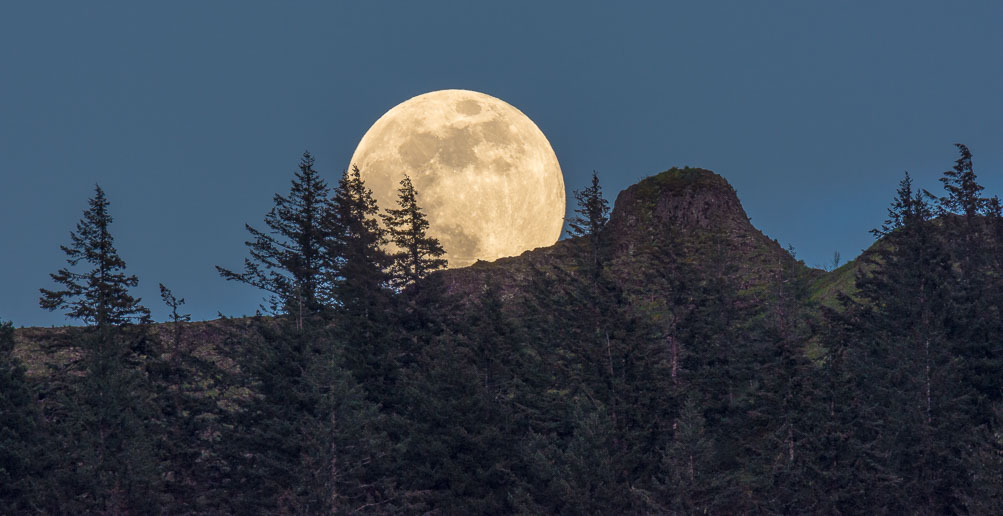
[191, 115]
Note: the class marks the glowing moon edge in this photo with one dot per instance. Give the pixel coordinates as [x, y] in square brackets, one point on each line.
[486, 176]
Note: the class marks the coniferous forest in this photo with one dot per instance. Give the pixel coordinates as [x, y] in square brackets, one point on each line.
[666, 358]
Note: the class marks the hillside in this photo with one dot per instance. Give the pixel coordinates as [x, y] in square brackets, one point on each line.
[686, 216]
[678, 362]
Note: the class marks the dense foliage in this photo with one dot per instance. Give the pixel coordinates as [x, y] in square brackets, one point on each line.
[665, 375]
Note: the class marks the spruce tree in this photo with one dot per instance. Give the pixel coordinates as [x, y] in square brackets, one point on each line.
[355, 254]
[188, 416]
[968, 220]
[112, 458]
[287, 260]
[21, 458]
[593, 214]
[784, 402]
[98, 296]
[962, 186]
[416, 253]
[687, 462]
[307, 441]
[910, 415]
[592, 209]
[359, 286]
[465, 404]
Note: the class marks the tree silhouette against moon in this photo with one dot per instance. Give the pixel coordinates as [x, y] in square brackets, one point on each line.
[485, 174]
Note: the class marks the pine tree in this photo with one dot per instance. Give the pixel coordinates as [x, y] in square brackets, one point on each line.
[287, 260]
[593, 214]
[416, 253]
[358, 282]
[187, 418]
[975, 300]
[784, 401]
[845, 453]
[355, 251]
[307, 441]
[21, 462]
[592, 210]
[611, 371]
[962, 186]
[465, 403]
[112, 453]
[910, 416]
[98, 296]
[687, 463]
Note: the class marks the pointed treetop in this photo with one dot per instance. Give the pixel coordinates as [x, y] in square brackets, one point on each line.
[962, 186]
[354, 250]
[100, 295]
[592, 210]
[287, 259]
[417, 254]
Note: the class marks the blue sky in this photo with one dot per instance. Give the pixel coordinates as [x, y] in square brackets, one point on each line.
[191, 115]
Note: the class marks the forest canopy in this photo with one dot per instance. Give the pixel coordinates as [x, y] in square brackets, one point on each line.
[667, 357]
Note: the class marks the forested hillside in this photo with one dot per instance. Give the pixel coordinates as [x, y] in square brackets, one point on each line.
[667, 358]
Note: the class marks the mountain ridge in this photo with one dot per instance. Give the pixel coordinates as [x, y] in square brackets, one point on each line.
[693, 214]
[657, 227]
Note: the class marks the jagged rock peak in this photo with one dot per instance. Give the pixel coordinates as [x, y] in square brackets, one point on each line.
[686, 198]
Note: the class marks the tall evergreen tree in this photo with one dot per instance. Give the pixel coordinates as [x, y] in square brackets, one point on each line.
[112, 459]
[356, 250]
[98, 296]
[358, 281]
[416, 253]
[287, 260]
[785, 399]
[910, 416]
[187, 419]
[593, 214]
[687, 468]
[975, 299]
[21, 458]
[307, 442]
[962, 186]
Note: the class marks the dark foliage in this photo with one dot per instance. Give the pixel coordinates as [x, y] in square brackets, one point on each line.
[287, 261]
[21, 456]
[417, 254]
[98, 296]
[663, 362]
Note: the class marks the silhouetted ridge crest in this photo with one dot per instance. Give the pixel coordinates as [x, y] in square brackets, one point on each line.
[686, 199]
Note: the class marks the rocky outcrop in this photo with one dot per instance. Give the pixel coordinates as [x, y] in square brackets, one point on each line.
[687, 214]
[688, 200]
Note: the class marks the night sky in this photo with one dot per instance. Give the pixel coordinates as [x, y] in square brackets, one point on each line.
[191, 115]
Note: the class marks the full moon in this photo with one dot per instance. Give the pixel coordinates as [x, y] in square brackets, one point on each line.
[484, 173]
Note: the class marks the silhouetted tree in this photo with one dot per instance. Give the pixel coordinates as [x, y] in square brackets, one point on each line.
[98, 296]
[962, 186]
[111, 454]
[187, 419]
[593, 214]
[416, 253]
[21, 458]
[687, 473]
[287, 260]
[910, 416]
[359, 284]
[971, 224]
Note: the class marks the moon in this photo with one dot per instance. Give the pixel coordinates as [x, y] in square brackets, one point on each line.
[485, 175]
